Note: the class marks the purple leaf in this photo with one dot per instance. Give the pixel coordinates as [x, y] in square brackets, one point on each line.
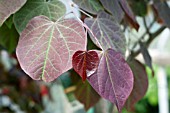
[140, 84]
[8, 7]
[45, 48]
[91, 6]
[129, 14]
[107, 32]
[114, 8]
[114, 79]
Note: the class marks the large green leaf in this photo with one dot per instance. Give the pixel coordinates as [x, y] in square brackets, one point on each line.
[45, 48]
[92, 6]
[8, 7]
[53, 9]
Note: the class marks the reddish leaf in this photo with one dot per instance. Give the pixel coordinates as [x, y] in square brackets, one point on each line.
[8, 7]
[129, 14]
[113, 79]
[85, 63]
[86, 94]
[45, 48]
[107, 32]
[140, 84]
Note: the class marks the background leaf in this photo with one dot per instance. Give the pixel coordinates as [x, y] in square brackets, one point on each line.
[114, 8]
[45, 48]
[140, 84]
[8, 7]
[53, 9]
[86, 94]
[163, 11]
[91, 6]
[129, 14]
[85, 63]
[146, 56]
[8, 37]
[113, 79]
[107, 32]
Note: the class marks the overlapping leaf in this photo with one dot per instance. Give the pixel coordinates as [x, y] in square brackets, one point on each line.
[113, 79]
[91, 6]
[114, 8]
[107, 32]
[163, 11]
[86, 94]
[8, 7]
[45, 48]
[85, 63]
[129, 14]
[140, 84]
[53, 9]
[8, 37]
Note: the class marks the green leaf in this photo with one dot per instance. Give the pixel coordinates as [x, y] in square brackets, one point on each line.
[91, 6]
[8, 37]
[53, 9]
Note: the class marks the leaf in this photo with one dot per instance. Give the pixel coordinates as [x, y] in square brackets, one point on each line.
[114, 8]
[53, 9]
[113, 79]
[163, 11]
[45, 48]
[85, 63]
[8, 37]
[129, 14]
[107, 32]
[146, 56]
[86, 94]
[140, 84]
[8, 7]
[91, 6]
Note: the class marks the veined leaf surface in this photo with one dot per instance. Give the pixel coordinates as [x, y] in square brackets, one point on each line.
[107, 32]
[114, 8]
[92, 6]
[113, 79]
[8, 7]
[53, 9]
[45, 47]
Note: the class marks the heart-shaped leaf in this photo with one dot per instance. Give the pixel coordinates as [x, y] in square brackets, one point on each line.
[45, 48]
[140, 84]
[8, 7]
[107, 32]
[91, 6]
[129, 14]
[86, 94]
[53, 9]
[85, 63]
[114, 8]
[113, 79]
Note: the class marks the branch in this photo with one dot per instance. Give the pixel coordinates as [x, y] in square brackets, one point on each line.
[147, 43]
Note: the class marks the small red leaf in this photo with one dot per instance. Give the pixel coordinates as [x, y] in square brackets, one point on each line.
[85, 63]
